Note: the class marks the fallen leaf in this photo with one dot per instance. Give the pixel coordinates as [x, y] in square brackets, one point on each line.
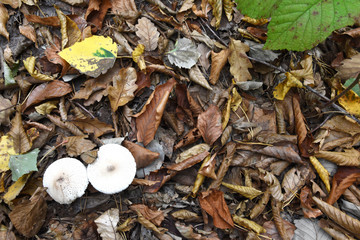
[28, 31]
[143, 156]
[138, 56]
[46, 91]
[309, 229]
[282, 88]
[123, 88]
[184, 55]
[217, 6]
[29, 64]
[29, 216]
[77, 145]
[228, 6]
[186, 215]
[124, 8]
[46, 107]
[149, 120]
[53, 57]
[214, 204]
[93, 125]
[148, 34]
[196, 76]
[248, 192]
[6, 150]
[350, 101]
[154, 216]
[4, 16]
[17, 132]
[93, 56]
[321, 170]
[96, 12]
[6, 109]
[306, 204]
[23, 164]
[251, 225]
[49, 21]
[218, 61]
[272, 232]
[209, 124]
[239, 62]
[195, 150]
[70, 32]
[15, 189]
[349, 68]
[106, 224]
[351, 157]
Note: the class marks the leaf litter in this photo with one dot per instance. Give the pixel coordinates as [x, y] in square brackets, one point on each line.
[231, 141]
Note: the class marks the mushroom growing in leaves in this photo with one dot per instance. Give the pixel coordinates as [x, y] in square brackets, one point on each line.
[113, 170]
[65, 180]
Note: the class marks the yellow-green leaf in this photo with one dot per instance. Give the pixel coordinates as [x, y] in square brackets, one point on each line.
[15, 188]
[282, 88]
[93, 56]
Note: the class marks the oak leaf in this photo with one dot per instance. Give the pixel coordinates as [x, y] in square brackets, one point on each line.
[209, 124]
[123, 88]
[148, 34]
[239, 61]
[149, 120]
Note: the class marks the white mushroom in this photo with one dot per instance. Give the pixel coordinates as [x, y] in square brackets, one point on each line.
[65, 180]
[113, 170]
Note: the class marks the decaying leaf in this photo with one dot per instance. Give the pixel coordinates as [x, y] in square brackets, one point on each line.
[123, 88]
[197, 77]
[93, 56]
[29, 64]
[239, 62]
[46, 107]
[106, 224]
[351, 157]
[248, 224]
[185, 54]
[209, 124]
[248, 192]
[22, 143]
[6, 149]
[93, 125]
[77, 145]
[148, 34]
[143, 156]
[218, 61]
[4, 16]
[138, 57]
[149, 120]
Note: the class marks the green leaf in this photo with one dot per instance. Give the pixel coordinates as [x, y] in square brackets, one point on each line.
[9, 73]
[300, 25]
[24, 163]
[356, 88]
[185, 54]
[258, 8]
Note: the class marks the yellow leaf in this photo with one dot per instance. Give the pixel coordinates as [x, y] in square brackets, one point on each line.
[228, 8]
[217, 11]
[248, 192]
[323, 173]
[248, 224]
[282, 88]
[226, 113]
[29, 64]
[93, 56]
[70, 32]
[16, 188]
[236, 100]
[46, 107]
[239, 62]
[306, 74]
[137, 56]
[253, 21]
[351, 102]
[6, 149]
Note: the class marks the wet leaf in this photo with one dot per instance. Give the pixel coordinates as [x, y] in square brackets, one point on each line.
[214, 204]
[149, 120]
[239, 62]
[106, 224]
[23, 164]
[93, 125]
[143, 156]
[6, 150]
[93, 56]
[148, 34]
[29, 64]
[4, 16]
[248, 192]
[123, 88]
[44, 91]
[209, 124]
[77, 145]
[185, 54]
[21, 140]
[29, 216]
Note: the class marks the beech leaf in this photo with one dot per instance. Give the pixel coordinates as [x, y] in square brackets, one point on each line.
[148, 34]
[185, 54]
[93, 125]
[24, 163]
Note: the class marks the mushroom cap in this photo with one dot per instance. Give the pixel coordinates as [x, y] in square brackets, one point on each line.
[65, 180]
[113, 170]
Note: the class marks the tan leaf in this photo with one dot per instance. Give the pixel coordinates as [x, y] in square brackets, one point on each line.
[148, 224]
[186, 215]
[207, 168]
[6, 110]
[186, 5]
[51, 53]
[225, 115]
[123, 88]
[338, 216]
[306, 74]
[29, 216]
[218, 61]
[143, 156]
[22, 143]
[321, 170]
[46, 91]
[195, 150]
[273, 183]
[351, 157]
[196, 76]
[29, 64]
[248, 192]
[261, 204]
[70, 32]
[67, 125]
[291, 180]
[155, 216]
[48, 21]
[209, 124]
[248, 224]
[226, 135]
[306, 203]
[93, 125]
[349, 67]
[276, 206]
[124, 8]
[217, 11]
[148, 122]
[13, 3]
[77, 145]
[214, 204]
[46, 107]
[239, 62]
[228, 8]
[4, 16]
[28, 31]
[148, 34]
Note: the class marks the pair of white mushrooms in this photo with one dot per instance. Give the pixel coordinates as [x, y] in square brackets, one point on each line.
[113, 171]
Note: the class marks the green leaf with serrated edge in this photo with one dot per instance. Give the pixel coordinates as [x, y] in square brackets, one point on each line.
[22, 164]
[300, 25]
[257, 8]
[356, 88]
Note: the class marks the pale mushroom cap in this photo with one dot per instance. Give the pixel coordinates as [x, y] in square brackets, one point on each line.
[113, 170]
[65, 180]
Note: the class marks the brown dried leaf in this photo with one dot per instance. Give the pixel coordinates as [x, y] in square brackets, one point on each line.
[186, 5]
[29, 64]
[53, 57]
[186, 215]
[191, 161]
[22, 143]
[217, 6]
[148, 122]
[46, 91]
[207, 169]
[123, 88]
[192, 136]
[248, 224]
[155, 216]
[273, 183]
[29, 216]
[148, 34]
[188, 232]
[96, 12]
[28, 31]
[349, 223]
[93, 125]
[4, 16]
[261, 204]
[6, 110]
[335, 233]
[343, 178]
[214, 204]
[276, 206]
[124, 8]
[239, 62]
[306, 203]
[351, 157]
[193, 151]
[291, 180]
[196, 76]
[70, 32]
[143, 156]
[77, 145]
[272, 232]
[209, 124]
[48, 21]
[349, 67]
[218, 61]
[67, 125]
[248, 192]
[148, 224]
